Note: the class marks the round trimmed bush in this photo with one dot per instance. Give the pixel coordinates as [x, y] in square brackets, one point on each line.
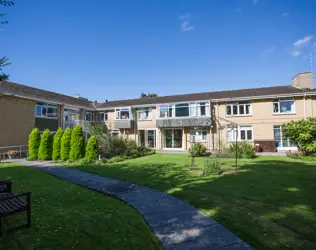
[92, 149]
[76, 144]
[65, 144]
[56, 144]
[34, 143]
[197, 149]
[45, 150]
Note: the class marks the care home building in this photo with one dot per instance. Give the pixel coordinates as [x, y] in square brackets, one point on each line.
[168, 122]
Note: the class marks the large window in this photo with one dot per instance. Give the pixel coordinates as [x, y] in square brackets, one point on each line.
[198, 134]
[88, 116]
[280, 140]
[239, 108]
[244, 133]
[44, 110]
[193, 109]
[283, 106]
[145, 114]
[122, 114]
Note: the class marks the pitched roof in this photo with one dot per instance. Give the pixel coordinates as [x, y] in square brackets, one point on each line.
[12, 88]
[227, 94]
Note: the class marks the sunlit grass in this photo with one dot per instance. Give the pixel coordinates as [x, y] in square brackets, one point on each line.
[269, 203]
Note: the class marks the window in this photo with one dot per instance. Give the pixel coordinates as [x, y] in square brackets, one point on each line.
[194, 109]
[145, 114]
[115, 132]
[100, 116]
[122, 114]
[280, 141]
[283, 106]
[44, 110]
[198, 135]
[244, 133]
[239, 108]
[88, 116]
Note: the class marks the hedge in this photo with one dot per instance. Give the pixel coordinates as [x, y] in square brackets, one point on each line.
[76, 144]
[34, 143]
[65, 145]
[45, 150]
[56, 144]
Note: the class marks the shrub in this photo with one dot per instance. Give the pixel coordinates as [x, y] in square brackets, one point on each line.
[76, 144]
[56, 144]
[92, 150]
[302, 133]
[294, 155]
[116, 159]
[85, 161]
[34, 143]
[244, 150]
[65, 144]
[45, 150]
[197, 149]
[212, 167]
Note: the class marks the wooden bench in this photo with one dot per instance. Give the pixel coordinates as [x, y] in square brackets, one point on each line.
[5, 186]
[13, 204]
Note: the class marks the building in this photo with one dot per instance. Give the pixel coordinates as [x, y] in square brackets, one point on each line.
[168, 122]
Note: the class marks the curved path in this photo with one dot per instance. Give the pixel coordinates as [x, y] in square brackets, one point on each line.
[177, 224]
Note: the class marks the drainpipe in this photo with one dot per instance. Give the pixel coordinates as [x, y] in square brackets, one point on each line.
[218, 133]
[304, 106]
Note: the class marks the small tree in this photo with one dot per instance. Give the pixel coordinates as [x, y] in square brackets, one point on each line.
[45, 150]
[302, 133]
[76, 144]
[92, 150]
[56, 144]
[65, 144]
[34, 143]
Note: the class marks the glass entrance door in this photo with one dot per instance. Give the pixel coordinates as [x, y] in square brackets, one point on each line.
[173, 138]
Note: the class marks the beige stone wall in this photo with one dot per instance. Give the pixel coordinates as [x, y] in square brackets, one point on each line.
[17, 119]
[145, 124]
[262, 119]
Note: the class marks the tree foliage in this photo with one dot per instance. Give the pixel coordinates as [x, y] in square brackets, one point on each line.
[143, 95]
[76, 144]
[34, 143]
[3, 60]
[56, 144]
[302, 133]
[65, 145]
[92, 150]
[45, 150]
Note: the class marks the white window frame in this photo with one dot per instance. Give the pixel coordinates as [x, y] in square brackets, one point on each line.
[142, 111]
[118, 113]
[279, 106]
[238, 104]
[198, 138]
[239, 129]
[46, 106]
[194, 110]
[281, 140]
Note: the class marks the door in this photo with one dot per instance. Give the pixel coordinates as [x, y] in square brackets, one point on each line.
[173, 138]
[141, 138]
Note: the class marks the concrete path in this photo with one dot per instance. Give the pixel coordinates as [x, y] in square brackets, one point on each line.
[178, 225]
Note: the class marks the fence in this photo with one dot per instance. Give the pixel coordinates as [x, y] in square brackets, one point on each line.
[19, 150]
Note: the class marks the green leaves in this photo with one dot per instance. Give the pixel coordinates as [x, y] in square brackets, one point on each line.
[34, 143]
[76, 144]
[302, 133]
[45, 150]
[92, 150]
[65, 144]
[57, 144]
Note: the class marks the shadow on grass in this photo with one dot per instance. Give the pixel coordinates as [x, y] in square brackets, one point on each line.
[270, 203]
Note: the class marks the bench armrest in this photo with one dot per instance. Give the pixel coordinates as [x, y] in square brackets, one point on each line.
[27, 194]
[5, 182]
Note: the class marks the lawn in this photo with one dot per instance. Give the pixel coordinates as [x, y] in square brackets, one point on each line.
[66, 216]
[270, 203]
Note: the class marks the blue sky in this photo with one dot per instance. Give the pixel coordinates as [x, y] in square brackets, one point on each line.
[118, 49]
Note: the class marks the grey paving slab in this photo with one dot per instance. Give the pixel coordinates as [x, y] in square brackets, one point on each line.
[188, 245]
[216, 236]
[178, 225]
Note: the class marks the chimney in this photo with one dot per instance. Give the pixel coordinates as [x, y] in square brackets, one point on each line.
[106, 100]
[303, 80]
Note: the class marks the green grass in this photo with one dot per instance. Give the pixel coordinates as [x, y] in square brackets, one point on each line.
[66, 216]
[270, 203]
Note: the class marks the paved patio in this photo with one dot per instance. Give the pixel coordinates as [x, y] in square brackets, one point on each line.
[177, 224]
